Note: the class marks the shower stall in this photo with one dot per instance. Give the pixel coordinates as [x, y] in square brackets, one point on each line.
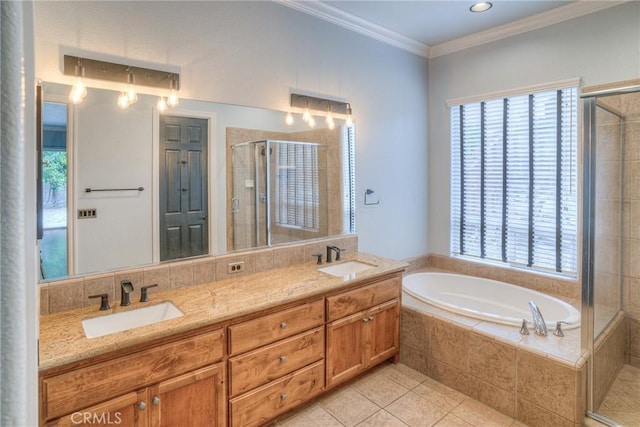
[611, 253]
[278, 193]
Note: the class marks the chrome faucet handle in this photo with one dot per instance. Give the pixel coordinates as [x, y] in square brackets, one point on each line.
[558, 332]
[523, 329]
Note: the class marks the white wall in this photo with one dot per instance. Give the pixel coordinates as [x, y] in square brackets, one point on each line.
[254, 53]
[599, 48]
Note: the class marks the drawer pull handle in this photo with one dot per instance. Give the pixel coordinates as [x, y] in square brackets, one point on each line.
[370, 318]
[365, 320]
[283, 396]
[155, 400]
[283, 358]
[283, 325]
[142, 406]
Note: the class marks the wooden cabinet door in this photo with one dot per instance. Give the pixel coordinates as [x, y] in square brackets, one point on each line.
[345, 355]
[126, 410]
[382, 332]
[193, 399]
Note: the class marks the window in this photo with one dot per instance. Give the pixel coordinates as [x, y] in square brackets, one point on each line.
[513, 180]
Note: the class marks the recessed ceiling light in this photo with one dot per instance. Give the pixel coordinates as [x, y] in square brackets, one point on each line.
[483, 6]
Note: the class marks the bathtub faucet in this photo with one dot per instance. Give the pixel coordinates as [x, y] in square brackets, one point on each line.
[539, 326]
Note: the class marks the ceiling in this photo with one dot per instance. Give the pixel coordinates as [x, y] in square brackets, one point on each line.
[436, 27]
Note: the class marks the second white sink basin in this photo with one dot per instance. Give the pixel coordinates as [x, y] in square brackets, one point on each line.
[346, 268]
[118, 322]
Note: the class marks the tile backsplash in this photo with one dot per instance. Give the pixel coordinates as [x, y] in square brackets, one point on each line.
[72, 293]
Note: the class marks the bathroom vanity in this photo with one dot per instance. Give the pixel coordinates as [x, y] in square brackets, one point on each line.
[246, 350]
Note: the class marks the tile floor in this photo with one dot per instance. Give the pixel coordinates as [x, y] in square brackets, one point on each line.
[395, 396]
[621, 402]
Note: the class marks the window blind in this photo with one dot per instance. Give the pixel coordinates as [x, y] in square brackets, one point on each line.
[514, 178]
[297, 187]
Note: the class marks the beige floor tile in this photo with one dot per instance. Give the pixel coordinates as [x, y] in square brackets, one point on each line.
[382, 419]
[517, 423]
[380, 388]
[404, 375]
[416, 411]
[481, 415]
[443, 396]
[312, 416]
[348, 406]
[452, 421]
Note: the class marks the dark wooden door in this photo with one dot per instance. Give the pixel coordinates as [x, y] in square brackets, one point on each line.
[183, 187]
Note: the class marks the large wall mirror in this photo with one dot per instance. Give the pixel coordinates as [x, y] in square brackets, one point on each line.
[125, 188]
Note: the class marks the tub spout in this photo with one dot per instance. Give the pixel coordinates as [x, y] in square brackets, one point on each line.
[539, 326]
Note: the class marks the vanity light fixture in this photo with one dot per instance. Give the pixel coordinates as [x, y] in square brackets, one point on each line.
[79, 89]
[162, 104]
[121, 73]
[328, 106]
[482, 6]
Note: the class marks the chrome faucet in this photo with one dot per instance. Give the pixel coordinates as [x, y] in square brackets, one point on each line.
[126, 287]
[539, 326]
[335, 249]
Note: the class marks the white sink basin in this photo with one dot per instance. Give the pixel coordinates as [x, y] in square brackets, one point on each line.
[348, 268]
[118, 322]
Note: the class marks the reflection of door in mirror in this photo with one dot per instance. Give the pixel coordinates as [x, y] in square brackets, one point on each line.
[53, 244]
[183, 187]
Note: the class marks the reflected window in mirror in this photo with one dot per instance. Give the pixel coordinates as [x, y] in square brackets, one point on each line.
[54, 180]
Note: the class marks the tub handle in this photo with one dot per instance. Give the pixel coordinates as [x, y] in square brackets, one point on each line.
[558, 332]
[523, 329]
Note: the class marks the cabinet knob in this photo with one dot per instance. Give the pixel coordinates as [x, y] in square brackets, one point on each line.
[283, 325]
[142, 405]
[365, 320]
[370, 318]
[155, 400]
[283, 358]
[283, 396]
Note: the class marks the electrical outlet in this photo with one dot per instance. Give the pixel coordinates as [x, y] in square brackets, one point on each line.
[235, 267]
[87, 213]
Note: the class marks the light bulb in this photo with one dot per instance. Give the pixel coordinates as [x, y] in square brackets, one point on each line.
[123, 101]
[329, 121]
[289, 119]
[306, 116]
[349, 121]
[132, 94]
[311, 122]
[172, 99]
[78, 91]
[162, 104]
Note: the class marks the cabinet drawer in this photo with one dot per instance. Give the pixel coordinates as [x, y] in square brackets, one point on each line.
[273, 327]
[260, 366]
[350, 302]
[87, 386]
[267, 402]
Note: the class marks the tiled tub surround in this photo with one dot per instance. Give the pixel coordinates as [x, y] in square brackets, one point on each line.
[539, 381]
[72, 293]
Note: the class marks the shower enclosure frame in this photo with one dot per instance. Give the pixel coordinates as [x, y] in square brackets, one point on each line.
[590, 105]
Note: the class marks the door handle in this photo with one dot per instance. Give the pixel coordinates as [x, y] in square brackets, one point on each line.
[204, 218]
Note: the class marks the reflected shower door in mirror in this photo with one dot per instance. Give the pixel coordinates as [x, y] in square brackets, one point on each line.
[120, 150]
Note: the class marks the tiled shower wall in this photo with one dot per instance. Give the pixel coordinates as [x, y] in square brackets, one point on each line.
[629, 105]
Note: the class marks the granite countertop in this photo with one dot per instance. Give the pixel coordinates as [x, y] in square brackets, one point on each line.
[62, 339]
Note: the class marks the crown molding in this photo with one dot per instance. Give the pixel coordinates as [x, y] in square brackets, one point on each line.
[541, 20]
[346, 20]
